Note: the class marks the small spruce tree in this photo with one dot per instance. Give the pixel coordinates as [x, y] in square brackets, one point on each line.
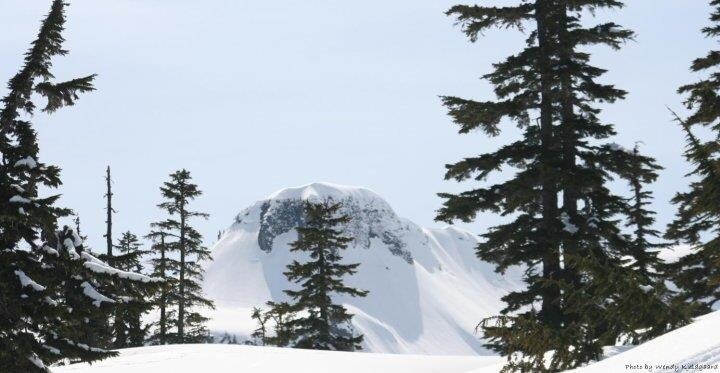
[164, 267]
[282, 316]
[320, 323]
[259, 335]
[128, 330]
[653, 310]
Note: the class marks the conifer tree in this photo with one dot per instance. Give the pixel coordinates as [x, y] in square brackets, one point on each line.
[109, 211]
[259, 335]
[228, 339]
[322, 324]
[572, 248]
[164, 267]
[654, 309]
[698, 216]
[525, 86]
[186, 291]
[89, 289]
[47, 277]
[646, 263]
[77, 227]
[282, 317]
[128, 330]
[32, 327]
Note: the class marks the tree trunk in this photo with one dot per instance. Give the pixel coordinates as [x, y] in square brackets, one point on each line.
[163, 294]
[569, 143]
[550, 312]
[109, 209]
[181, 289]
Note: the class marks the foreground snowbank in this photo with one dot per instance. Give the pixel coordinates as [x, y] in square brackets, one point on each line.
[250, 359]
[693, 348]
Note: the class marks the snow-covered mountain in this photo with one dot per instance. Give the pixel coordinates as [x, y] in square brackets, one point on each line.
[427, 289]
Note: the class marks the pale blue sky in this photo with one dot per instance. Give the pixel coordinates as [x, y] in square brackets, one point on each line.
[254, 96]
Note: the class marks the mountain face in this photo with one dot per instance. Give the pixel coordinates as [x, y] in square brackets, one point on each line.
[428, 291]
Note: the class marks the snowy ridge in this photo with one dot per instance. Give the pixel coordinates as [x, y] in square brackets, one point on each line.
[427, 289]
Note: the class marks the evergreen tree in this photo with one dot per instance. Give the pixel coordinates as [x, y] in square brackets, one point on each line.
[228, 339]
[186, 291]
[33, 318]
[77, 227]
[259, 336]
[102, 320]
[88, 290]
[109, 211]
[573, 247]
[645, 261]
[281, 316]
[698, 217]
[164, 267]
[655, 309]
[524, 85]
[48, 279]
[321, 324]
[128, 330]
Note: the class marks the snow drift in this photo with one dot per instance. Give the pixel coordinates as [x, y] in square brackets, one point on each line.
[693, 348]
[427, 289]
[251, 359]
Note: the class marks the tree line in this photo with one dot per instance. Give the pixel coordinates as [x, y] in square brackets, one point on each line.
[590, 254]
[175, 257]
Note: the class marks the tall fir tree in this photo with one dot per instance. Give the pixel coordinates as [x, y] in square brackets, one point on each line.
[47, 277]
[186, 292]
[322, 324]
[698, 217]
[524, 85]
[571, 246]
[32, 329]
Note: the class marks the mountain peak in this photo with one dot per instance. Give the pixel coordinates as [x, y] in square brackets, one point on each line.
[428, 290]
[371, 216]
[323, 190]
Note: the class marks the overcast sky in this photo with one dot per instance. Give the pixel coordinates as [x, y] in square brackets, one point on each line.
[254, 96]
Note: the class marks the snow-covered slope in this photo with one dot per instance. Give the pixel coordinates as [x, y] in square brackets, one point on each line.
[251, 359]
[427, 289]
[693, 348]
